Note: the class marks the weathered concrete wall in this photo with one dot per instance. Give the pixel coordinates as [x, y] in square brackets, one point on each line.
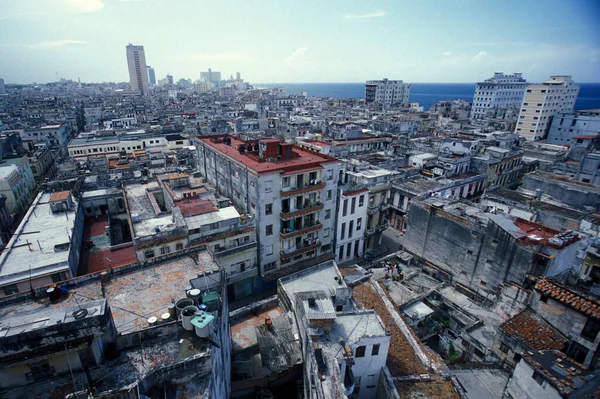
[575, 195]
[523, 386]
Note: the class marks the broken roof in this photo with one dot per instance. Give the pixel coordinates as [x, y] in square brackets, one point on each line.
[530, 329]
[586, 305]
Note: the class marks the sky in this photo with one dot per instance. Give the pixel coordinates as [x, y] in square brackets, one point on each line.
[283, 41]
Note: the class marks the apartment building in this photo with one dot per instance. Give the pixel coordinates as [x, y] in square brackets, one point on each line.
[387, 92]
[499, 91]
[291, 192]
[542, 102]
[58, 135]
[17, 183]
[566, 126]
[86, 146]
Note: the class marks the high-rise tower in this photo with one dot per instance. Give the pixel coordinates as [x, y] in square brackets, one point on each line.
[136, 61]
[151, 75]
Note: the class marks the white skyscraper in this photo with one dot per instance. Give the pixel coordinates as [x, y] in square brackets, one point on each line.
[138, 75]
[500, 91]
[542, 102]
[387, 92]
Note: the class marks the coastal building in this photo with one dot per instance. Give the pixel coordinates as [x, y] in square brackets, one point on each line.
[566, 126]
[499, 91]
[17, 184]
[290, 191]
[387, 92]
[138, 74]
[542, 102]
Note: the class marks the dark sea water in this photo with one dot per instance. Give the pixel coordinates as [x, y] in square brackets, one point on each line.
[425, 94]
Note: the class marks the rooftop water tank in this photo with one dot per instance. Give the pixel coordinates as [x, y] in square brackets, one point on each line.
[187, 314]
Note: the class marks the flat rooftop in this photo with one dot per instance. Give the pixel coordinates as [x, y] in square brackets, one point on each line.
[324, 277]
[41, 244]
[243, 333]
[7, 166]
[305, 158]
[132, 296]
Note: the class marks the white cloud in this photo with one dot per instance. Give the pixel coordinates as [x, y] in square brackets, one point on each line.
[56, 44]
[298, 55]
[376, 14]
[447, 53]
[481, 56]
[84, 6]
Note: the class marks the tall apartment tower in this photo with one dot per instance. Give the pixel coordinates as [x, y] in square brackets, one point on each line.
[151, 75]
[500, 91]
[387, 92]
[138, 75]
[542, 102]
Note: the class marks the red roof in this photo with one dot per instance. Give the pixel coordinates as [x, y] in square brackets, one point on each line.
[533, 331]
[305, 158]
[586, 305]
[195, 207]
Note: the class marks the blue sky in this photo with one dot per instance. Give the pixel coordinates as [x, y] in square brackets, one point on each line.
[301, 41]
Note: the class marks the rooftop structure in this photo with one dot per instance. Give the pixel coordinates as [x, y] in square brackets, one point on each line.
[45, 247]
[533, 332]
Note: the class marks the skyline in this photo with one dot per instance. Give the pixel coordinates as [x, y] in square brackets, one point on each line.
[269, 42]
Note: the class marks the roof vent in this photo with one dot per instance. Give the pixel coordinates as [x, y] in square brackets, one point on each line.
[312, 302]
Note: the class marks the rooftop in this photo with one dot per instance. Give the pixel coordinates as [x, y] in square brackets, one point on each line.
[533, 331]
[568, 377]
[586, 305]
[304, 159]
[133, 296]
[41, 244]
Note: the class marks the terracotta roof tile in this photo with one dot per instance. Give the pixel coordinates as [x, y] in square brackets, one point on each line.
[533, 331]
[579, 302]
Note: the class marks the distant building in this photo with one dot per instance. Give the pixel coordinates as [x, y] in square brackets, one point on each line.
[169, 79]
[566, 126]
[500, 91]
[210, 76]
[138, 75]
[387, 92]
[2, 87]
[151, 75]
[17, 183]
[542, 102]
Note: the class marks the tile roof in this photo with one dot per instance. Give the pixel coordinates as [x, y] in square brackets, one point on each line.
[533, 331]
[60, 196]
[579, 302]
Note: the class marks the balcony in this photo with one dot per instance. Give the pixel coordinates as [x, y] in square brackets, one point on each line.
[301, 189]
[311, 207]
[223, 252]
[292, 232]
[383, 225]
[235, 277]
[306, 246]
[373, 208]
[385, 206]
[370, 231]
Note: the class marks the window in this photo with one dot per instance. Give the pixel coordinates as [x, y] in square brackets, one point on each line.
[348, 250]
[371, 381]
[504, 348]
[375, 350]
[353, 206]
[358, 223]
[356, 385]
[268, 186]
[149, 254]
[165, 250]
[360, 351]
[345, 208]
[268, 209]
[285, 182]
[39, 371]
[270, 265]
[10, 289]
[544, 298]
[361, 200]
[268, 250]
[328, 195]
[179, 246]
[537, 377]
[329, 174]
[269, 230]
[327, 214]
[350, 228]
[325, 233]
[343, 231]
[591, 328]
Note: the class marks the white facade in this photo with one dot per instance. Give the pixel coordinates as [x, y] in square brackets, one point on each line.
[351, 224]
[500, 91]
[17, 183]
[84, 147]
[523, 385]
[387, 92]
[138, 74]
[542, 102]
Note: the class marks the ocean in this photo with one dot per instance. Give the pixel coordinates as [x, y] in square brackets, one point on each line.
[425, 94]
